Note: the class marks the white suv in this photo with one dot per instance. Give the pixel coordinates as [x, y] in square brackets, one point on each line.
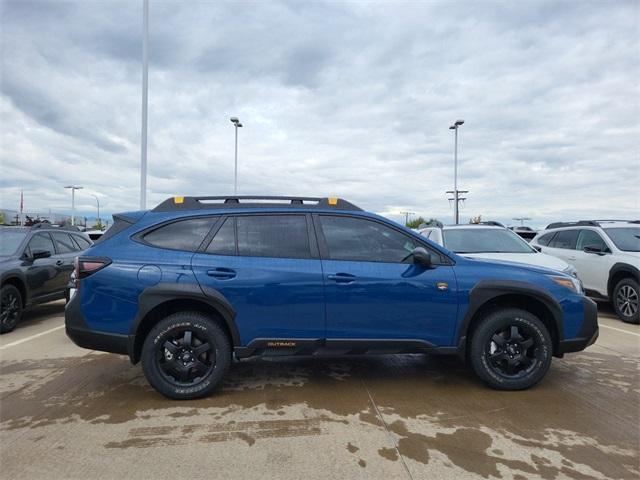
[494, 242]
[606, 254]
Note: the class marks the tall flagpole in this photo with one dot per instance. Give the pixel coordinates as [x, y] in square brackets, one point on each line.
[145, 86]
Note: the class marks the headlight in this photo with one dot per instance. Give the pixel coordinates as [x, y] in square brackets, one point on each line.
[571, 283]
[571, 270]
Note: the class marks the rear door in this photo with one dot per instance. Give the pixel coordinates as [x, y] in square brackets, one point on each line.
[66, 252]
[563, 245]
[267, 266]
[374, 292]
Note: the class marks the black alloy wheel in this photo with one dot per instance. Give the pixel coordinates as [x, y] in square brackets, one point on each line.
[511, 352]
[511, 349]
[10, 308]
[186, 355]
[185, 358]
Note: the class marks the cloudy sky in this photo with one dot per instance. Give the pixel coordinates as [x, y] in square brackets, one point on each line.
[350, 99]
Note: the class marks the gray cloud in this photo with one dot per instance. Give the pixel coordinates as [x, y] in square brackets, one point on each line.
[349, 99]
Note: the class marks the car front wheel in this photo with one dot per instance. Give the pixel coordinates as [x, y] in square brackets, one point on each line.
[10, 308]
[511, 349]
[186, 355]
[626, 300]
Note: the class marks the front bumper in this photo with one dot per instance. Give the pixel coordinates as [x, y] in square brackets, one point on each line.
[78, 331]
[588, 333]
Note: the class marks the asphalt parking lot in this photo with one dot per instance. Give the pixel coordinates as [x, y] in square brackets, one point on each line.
[71, 413]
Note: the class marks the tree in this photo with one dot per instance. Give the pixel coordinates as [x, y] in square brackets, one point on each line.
[415, 223]
[432, 222]
[1, 218]
[98, 225]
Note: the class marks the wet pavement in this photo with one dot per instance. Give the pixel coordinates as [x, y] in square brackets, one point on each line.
[70, 413]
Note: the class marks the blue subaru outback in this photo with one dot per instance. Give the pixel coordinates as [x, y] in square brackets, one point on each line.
[187, 286]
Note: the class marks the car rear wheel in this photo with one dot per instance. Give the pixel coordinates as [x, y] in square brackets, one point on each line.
[10, 308]
[186, 355]
[511, 349]
[626, 300]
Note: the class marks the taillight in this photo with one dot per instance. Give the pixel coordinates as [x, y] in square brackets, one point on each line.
[85, 266]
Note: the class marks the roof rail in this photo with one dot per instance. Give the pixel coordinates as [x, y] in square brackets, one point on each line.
[586, 223]
[493, 223]
[581, 223]
[173, 204]
[69, 228]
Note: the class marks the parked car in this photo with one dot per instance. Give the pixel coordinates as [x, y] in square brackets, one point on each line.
[525, 232]
[494, 243]
[196, 280]
[606, 254]
[35, 265]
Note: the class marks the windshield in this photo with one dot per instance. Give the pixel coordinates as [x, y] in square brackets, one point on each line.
[10, 240]
[626, 239]
[484, 240]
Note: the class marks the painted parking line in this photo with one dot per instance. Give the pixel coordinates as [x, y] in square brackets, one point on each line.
[619, 330]
[18, 342]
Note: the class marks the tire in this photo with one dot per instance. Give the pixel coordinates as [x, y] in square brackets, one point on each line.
[511, 349]
[626, 295]
[10, 308]
[170, 358]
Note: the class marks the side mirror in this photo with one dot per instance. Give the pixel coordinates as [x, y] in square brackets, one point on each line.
[594, 249]
[35, 254]
[422, 257]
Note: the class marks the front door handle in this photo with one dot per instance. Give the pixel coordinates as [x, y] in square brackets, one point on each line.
[59, 262]
[222, 273]
[342, 277]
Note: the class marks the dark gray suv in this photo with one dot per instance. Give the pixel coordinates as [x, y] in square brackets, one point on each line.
[35, 265]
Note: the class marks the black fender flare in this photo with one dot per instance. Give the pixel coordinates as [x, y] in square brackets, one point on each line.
[486, 290]
[17, 275]
[153, 296]
[617, 268]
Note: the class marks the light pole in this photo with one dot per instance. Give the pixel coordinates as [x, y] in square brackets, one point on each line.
[237, 125]
[522, 220]
[456, 192]
[73, 202]
[406, 217]
[98, 202]
[145, 88]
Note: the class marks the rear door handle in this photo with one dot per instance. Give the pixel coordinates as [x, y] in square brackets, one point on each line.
[222, 273]
[342, 277]
[572, 258]
[59, 262]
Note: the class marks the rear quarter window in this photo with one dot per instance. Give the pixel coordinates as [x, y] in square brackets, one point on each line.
[185, 234]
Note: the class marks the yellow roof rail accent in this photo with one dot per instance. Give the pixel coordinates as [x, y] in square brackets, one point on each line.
[333, 201]
[178, 199]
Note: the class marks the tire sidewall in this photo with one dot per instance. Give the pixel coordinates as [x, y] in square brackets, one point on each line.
[633, 284]
[5, 290]
[502, 319]
[164, 330]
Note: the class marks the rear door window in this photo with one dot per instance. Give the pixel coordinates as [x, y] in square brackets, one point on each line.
[64, 242]
[185, 234]
[40, 241]
[565, 239]
[224, 241]
[546, 238]
[283, 236]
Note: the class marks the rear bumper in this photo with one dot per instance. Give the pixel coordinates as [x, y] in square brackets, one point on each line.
[588, 333]
[81, 335]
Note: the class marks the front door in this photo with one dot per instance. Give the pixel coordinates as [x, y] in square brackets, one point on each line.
[269, 270]
[41, 273]
[374, 292]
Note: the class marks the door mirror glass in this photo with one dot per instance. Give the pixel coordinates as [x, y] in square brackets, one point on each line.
[35, 254]
[421, 257]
